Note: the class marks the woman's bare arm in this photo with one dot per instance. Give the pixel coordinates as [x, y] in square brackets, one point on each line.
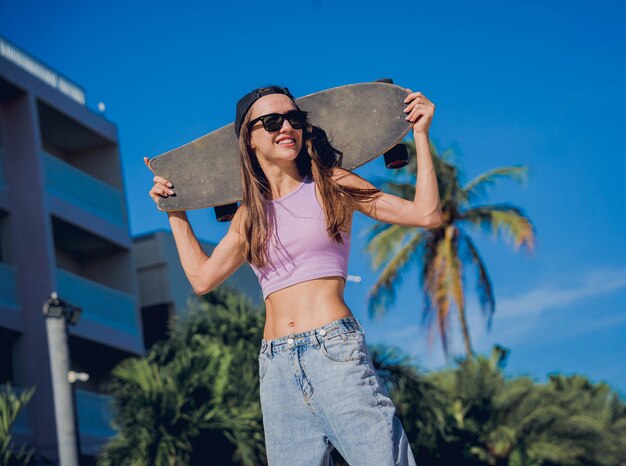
[207, 272]
[203, 272]
[423, 211]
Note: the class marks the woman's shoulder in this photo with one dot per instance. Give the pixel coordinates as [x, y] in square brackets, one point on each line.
[341, 175]
[349, 179]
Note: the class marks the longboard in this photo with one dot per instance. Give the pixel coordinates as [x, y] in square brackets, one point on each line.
[361, 120]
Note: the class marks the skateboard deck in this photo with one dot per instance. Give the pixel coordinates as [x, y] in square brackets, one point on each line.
[361, 120]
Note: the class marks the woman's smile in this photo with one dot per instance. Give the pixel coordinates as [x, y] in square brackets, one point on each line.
[286, 141]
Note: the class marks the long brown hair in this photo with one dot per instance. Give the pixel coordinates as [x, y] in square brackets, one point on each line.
[317, 158]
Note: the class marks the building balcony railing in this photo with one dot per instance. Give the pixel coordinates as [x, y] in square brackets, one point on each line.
[8, 286]
[95, 412]
[83, 190]
[99, 303]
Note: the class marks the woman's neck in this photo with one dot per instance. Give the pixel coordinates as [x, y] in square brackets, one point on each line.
[283, 180]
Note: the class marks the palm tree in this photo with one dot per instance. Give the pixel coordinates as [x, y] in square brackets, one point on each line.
[441, 251]
[568, 421]
[194, 398]
[10, 406]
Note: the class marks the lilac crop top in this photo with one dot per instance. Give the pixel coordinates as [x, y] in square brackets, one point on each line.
[299, 247]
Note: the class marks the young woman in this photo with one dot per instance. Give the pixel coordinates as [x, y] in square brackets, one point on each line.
[318, 386]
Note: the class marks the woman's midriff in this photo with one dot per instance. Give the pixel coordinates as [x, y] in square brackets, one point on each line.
[304, 306]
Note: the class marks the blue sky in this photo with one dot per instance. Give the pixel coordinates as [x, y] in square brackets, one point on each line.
[536, 84]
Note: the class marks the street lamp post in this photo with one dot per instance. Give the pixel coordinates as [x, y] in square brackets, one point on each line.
[58, 313]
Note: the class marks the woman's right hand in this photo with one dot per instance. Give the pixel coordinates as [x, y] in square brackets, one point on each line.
[161, 187]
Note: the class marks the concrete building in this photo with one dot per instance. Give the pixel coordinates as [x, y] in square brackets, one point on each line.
[64, 228]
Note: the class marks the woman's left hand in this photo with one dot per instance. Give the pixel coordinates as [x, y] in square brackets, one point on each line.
[419, 111]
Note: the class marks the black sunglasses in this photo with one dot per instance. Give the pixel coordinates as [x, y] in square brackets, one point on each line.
[274, 121]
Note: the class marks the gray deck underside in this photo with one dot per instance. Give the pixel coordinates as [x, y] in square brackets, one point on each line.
[361, 120]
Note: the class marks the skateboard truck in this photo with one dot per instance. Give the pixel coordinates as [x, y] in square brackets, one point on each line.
[225, 213]
[397, 157]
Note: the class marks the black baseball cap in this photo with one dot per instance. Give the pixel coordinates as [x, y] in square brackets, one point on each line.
[244, 104]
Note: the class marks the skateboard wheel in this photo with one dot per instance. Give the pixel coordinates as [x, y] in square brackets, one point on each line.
[225, 213]
[397, 157]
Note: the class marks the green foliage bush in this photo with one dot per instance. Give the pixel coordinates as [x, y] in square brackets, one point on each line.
[11, 403]
[194, 400]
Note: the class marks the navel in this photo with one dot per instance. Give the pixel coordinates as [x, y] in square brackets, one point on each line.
[291, 324]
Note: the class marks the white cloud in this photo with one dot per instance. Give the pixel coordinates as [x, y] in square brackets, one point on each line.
[552, 297]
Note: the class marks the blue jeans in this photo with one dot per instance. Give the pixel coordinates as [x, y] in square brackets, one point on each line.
[319, 390]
